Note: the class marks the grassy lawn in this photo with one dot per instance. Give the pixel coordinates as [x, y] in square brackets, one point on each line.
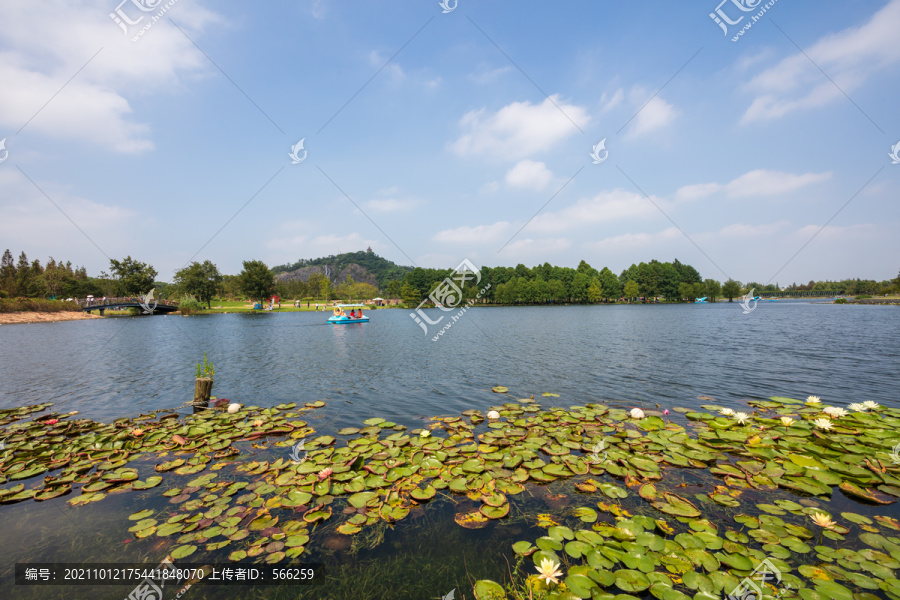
[234, 306]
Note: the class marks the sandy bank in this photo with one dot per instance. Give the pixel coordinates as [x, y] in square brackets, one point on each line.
[41, 317]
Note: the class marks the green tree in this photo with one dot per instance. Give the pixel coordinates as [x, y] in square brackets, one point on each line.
[731, 290]
[578, 290]
[8, 274]
[411, 296]
[632, 290]
[132, 277]
[686, 291]
[393, 289]
[201, 280]
[319, 285]
[256, 280]
[612, 289]
[699, 290]
[595, 291]
[713, 289]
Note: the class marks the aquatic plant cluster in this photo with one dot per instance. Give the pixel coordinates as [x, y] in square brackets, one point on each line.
[633, 528]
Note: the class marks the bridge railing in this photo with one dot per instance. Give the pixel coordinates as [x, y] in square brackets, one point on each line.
[133, 300]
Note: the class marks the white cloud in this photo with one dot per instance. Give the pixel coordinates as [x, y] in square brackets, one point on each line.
[768, 183]
[487, 75]
[394, 70]
[320, 245]
[850, 57]
[319, 9]
[605, 206]
[628, 241]
[27, 213]
[696, 191]
[655, 115]
[610, 103]
[440, 261]
[46, 43]
[391, 204]
[479, 234]
[760, 182]
[520, 129]
[529, 174]
[529, 247]
[490, 187]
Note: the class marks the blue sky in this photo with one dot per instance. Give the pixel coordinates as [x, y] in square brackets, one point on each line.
[730, 156]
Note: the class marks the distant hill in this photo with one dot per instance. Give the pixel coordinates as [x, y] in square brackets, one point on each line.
[363, 266]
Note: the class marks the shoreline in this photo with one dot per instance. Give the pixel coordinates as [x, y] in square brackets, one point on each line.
[16, 318]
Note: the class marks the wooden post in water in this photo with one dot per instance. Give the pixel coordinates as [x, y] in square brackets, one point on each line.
[202, 391]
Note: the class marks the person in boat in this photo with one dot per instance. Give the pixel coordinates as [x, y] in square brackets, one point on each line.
[359, 314]
[353, 314]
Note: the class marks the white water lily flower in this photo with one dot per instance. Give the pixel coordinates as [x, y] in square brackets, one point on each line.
[871, 405]
[741, 417]
[425, 433]
[549, 571]
[726, 411]
[813, 400]
[823, 520]
[859, 407]
[637, 413]
[493, 415]
[786, 421]
[823, 424]
[835, 411]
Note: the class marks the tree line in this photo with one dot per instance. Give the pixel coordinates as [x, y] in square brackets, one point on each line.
[543, 284]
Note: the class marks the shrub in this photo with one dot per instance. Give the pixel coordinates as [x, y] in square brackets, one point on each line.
[189, 305]
[863, 296]
[36, 305]
[841, 301]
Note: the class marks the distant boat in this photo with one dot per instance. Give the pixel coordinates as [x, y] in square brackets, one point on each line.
[700, 300]
[340, 317]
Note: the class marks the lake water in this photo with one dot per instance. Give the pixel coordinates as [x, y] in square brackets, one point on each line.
[623, 355]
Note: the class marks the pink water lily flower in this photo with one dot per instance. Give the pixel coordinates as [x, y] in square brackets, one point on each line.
[325, 473]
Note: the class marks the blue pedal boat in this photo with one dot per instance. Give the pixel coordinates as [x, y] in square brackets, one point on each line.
[340, 317]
